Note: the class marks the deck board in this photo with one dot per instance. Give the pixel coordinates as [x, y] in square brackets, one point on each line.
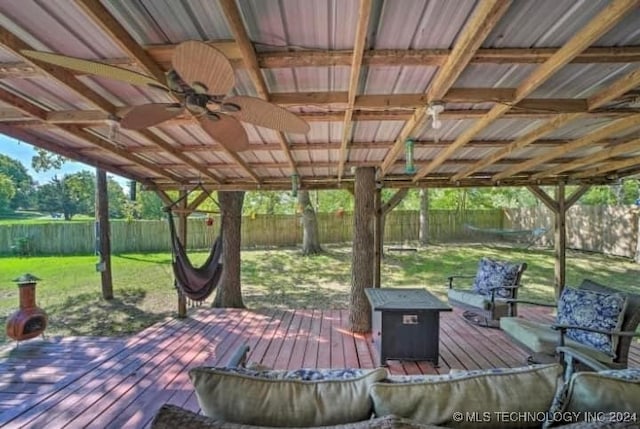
[113, 383]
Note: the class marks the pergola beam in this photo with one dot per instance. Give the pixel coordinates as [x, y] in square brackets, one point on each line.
[597, 27]
[250, 59]
[484, 18]
[364, 14]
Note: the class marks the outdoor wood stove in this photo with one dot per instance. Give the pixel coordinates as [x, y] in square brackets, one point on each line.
[30, 320]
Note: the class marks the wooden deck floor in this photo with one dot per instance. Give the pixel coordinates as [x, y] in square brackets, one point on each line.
[114, 383]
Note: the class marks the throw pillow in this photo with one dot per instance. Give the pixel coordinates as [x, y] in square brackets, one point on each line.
[285, 398]
[174, 417]
[474, 399]
[591, 309]
[493, 274]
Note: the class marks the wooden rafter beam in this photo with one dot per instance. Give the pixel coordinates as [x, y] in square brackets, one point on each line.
[249, 56]
[608, 153]
[161, 55]
[608, 167]
[484, 18]
[601, 133]
[598, 26]
[364, 14]
[67, 79]
[23, 135]
[606, 95]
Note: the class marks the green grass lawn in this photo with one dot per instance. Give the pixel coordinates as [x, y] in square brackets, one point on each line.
[144, 293]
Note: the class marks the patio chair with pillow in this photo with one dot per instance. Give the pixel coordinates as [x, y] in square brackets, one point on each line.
[594, 329]
[494, 283]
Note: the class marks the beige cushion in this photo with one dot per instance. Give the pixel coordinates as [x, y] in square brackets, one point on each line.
[173, 417]
[607, 391]
[273, 401]
[540, 338]
[437, 402]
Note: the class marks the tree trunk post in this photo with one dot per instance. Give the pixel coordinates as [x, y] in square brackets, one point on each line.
[560, 231]
[310, 234]
[363, 249]
[378, 237]
[423, 235]
[104, 235]
[229, 291]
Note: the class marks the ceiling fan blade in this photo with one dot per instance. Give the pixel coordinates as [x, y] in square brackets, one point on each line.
[148, 115]
[94, 68]
[227, 131]
[198, 62]
[259, 112]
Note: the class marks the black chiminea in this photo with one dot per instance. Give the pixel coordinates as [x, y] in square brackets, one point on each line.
[30, 320]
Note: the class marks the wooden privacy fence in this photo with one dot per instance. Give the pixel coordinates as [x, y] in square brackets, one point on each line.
[60, 237]
[609, 230]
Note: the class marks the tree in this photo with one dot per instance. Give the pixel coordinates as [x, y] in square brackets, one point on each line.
[150, 205]
[7, 192]
[44, 160]
[424, 217]
[310, 234]
[71, 195]
[117, 199]
[229, 291]
[23, 184]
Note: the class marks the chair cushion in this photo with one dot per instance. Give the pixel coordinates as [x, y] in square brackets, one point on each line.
[592, 310]
[492, 273]
[469, 298]
[483, 393]
[539, 338]
[285, 398]
[174, 417]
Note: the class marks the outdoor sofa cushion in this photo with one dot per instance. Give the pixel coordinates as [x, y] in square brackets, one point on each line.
[592, 309]
[437, 400]
[173, 417]
[301, 398]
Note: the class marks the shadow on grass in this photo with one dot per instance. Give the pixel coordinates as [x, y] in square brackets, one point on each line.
[143, 258]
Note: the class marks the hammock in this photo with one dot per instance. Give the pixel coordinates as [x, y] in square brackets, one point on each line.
[197, 283]
[532, 234]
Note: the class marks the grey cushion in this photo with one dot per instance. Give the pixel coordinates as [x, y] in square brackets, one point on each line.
[540, 338]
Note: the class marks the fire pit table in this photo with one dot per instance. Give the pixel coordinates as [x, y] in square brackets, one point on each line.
[405, 323]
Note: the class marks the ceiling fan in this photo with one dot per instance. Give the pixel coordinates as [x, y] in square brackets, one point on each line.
[200, 78]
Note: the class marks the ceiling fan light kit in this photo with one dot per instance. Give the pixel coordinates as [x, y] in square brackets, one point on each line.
[200, 79]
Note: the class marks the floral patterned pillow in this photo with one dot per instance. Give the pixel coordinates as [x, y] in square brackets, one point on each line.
[299, 374]
[591, 309]
[492, 274]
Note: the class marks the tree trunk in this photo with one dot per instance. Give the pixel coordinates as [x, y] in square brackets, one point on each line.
[363, 249]
[424, 217]
[104, 240]
[310, 235]
[229, 292]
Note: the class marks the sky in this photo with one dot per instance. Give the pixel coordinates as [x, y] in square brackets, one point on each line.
[23, 152]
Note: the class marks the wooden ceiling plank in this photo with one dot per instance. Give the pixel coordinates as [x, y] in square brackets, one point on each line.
[618, 88]
[118, 34]
[598, 26]
[22, 105]
[601, 133]
[484, 18]
[608, 167]
[249, 56]
[604, 154]
[364, 14]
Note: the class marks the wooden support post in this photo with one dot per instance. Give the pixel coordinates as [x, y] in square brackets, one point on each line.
[363, 249]
[423, 234]
[560, 235]
[559, 207]
[378, 239]
[104, 236]
[182, 235]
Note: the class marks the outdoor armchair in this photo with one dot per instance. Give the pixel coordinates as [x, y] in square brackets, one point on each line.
[485, 302]
[607, 349]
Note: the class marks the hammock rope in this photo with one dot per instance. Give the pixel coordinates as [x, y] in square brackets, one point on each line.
[532, 235]
[196, 283]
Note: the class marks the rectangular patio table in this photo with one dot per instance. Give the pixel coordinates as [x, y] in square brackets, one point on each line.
[405, 323]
